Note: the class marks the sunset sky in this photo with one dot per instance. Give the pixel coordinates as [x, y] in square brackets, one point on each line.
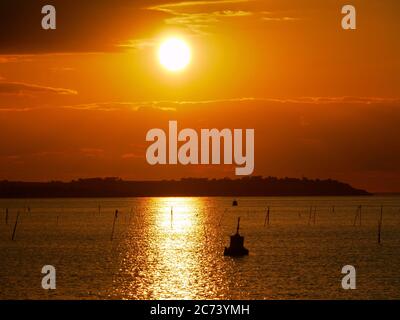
[78, 101]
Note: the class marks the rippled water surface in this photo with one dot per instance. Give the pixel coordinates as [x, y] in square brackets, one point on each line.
[156, 254]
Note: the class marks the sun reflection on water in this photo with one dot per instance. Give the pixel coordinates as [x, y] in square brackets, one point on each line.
[171, 261]
[180, 214]
[178, 228]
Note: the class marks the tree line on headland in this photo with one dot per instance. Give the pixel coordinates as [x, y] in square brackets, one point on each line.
[115, 187]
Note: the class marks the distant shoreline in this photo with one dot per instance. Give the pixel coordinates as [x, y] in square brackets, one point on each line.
[190, 196]
[117, 188]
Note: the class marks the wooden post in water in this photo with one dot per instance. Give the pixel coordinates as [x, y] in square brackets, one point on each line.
[315, 214]
[172, 215]
[357, 216]
[15, 227]
[266, 221]
[309, 216]
[380, 226]
[6, 215]
[113, 227]
[222, 215]
[238, 226]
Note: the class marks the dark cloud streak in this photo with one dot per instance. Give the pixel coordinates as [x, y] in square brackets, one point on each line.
[18, 88]
[84, 26]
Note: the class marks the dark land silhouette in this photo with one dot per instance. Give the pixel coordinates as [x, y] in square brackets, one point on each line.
[115, 187]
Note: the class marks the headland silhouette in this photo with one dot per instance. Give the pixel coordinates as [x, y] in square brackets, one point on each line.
[116, 187]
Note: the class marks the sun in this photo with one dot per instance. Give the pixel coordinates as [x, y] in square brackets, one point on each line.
[174, 54]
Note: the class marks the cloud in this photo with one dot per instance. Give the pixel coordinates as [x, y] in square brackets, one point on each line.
[176, 105]
[88, 26]
[196, 22]
[92, 152]
[102, 106]
[172, 7]
[14, 109]
[198, 15]
[139, 44]
[297, 100]
[62, 69]
[277, 16]
[131, 156]
[204, 15]
[343, 100]
[279, 19]
[19, 88]
[12, 58]
[15, 58]
[115, 106]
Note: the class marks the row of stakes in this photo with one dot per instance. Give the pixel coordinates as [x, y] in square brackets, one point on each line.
[311, 218]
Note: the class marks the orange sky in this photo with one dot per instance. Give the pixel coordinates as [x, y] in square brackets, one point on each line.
[78, 101]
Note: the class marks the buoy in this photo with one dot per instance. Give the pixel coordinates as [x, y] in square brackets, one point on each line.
[236, 248]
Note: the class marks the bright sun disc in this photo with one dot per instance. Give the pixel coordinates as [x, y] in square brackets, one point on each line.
[174, 54]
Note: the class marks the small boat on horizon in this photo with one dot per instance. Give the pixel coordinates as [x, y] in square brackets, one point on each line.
[234, 203]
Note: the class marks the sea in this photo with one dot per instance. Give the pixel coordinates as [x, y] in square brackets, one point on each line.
[173, 248]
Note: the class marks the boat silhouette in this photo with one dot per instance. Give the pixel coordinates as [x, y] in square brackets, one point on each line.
[236, 248]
